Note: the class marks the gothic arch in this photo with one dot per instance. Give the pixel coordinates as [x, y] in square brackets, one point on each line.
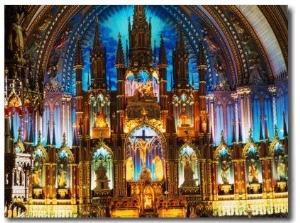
[188, 166]
[145, 154]
[216, 155]
[248, 146]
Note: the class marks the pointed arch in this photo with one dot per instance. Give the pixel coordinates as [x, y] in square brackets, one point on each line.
[145, 153]
[40, 159]
[188, 166]
[248, 147]
[222, 156]
[251, 153]
[101, 164]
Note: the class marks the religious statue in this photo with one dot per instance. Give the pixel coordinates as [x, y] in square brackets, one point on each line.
[36, 174]
[184, 118]
[253, 171]
[18, 174]
[225, 170]
[129, 169]
[143, 151]
[101, 172]
[188, 176]
[256, 72]
[102, 179]
[148, 91]
[100, 120]
[281, 169]
[137, 95]
[16, 39]
[62, 181]
[148, 200]
[158, 168]
[145, 174]
[188, 171]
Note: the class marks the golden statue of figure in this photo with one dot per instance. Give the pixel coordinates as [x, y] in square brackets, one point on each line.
[36, 175]
[62, 181]
[253, 172]
[100, 119]
[184, 118]
[225, 170]
[148, 198]
[281, 169]
[158, 168]
[129, 169]
[143, 150]
[148, 91]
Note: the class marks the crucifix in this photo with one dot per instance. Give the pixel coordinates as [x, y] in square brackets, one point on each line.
[144, 144]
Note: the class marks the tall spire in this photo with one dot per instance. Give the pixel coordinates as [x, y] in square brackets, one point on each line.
[162, 53]
[97, 47]
[120, 54]
[98, 61]
[139, 18]
[180, 64]
[140, 52]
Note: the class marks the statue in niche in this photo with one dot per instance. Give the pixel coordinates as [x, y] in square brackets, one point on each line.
[253, 171]
[129, 169]
[225, 170]
[100, 120]
[148, 91]
[184, 118]
[137, 95]
[101, 172]
[148, 199]
[102, 179]
[188, 176]
[18, 174]
[256, 72]
[36, 176]
[62, 178]
[281, 169]
[158, 168]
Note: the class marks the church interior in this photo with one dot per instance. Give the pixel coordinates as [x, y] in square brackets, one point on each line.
[146, 111]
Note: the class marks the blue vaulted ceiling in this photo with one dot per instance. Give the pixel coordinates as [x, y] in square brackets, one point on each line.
[52, 37]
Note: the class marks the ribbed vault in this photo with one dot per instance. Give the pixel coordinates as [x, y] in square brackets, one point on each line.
[243, 34]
